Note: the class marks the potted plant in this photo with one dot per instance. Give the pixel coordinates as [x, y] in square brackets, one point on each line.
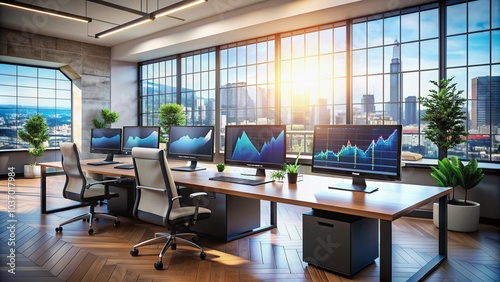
[445, 116]
[169, 115]
[107, 118]
[463, 215]
[35, 133]
[292, 170]
[278, 175]
[220, 167]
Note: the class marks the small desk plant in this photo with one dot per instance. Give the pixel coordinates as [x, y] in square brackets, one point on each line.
[220, 167]
[35, 133]
[291, 171]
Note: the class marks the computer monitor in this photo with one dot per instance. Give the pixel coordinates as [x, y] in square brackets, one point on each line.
[106, 141]
[140, 136]
[192, 143]
[359, 151]
[256, 146]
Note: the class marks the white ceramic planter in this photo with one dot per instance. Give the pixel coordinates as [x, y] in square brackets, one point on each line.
[460, 218]
[31, 171]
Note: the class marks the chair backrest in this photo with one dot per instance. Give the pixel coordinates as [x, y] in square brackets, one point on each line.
[75, 179]
[155, 186]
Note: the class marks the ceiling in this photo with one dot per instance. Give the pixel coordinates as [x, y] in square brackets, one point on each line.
[208, 24]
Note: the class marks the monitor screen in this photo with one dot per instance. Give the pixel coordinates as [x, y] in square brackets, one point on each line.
[359, 151]
[140, 136]
[193, 143]
[106, 141]
[256, 146]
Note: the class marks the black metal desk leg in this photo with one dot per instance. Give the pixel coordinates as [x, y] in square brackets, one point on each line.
[43, 190]
[443, 226]
[274, 213]
[385, 250]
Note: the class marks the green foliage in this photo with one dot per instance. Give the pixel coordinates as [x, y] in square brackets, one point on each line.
[278, 175]
[292, 168]
[35, 133]
[170, 114]
[107, 118]
[220, 167]
[445, 115]
[451, 173]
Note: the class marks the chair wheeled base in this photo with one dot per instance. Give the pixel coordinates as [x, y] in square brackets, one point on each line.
[171, 242]
[89, 217]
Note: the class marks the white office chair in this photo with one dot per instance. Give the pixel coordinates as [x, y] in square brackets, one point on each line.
[157, 202]
[83, 189]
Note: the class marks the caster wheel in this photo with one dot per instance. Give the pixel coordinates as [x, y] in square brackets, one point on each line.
[59, 229]
[91, 231]
[117, 223]
[158, 265]
[134, 252]
[203, 255]
[85, 220]
[173, 247]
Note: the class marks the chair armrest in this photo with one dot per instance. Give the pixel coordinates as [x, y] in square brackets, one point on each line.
[175, 198]
[197, 194]
[106, 184]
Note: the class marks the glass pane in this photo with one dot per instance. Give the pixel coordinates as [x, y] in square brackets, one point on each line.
[375, 37]
[429, 54]
[409, 27]
[359, 35]
[312, 43]
[339, 65]
[375, 87]
[392, 62]
[358, 89]
[27, 71]
[8, 69]
[251, 54]
[359, 62]
[391, 30]
[262, 52]
[456, 19]
[375, 60]
[479, 48]
[326, 41]
[429, 24]
[455, 51]
[495, 14]
[339, 38]
[479, 11]
[495, 46]
[298, 46]
[409, 56]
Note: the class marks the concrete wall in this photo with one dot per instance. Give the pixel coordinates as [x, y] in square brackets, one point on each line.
[88, 65]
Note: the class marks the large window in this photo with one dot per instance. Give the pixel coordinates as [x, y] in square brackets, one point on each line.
[368, 70]
[198, 86]
[26, 90]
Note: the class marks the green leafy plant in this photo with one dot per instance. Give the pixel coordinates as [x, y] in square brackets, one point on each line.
[106, 119]
[294, 167]
[220, 167]
[35, 133]
[169, 115]
[278, 175]
[445, 116]
[452, 173]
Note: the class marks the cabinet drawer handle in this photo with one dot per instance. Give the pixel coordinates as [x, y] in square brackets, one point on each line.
[325, 224]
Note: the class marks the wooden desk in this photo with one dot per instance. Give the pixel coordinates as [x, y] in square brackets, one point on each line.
[392, 201]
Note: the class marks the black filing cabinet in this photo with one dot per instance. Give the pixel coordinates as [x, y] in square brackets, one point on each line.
[339, 242]
[124, 204]
[231, 215]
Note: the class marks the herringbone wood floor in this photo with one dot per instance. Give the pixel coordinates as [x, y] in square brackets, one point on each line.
[275, 255]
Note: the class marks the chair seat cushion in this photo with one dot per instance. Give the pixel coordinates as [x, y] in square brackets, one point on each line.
[187, 212]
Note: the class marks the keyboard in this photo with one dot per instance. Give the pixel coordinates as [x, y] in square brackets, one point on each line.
[237, 180]
[125, 166]
[103, 163]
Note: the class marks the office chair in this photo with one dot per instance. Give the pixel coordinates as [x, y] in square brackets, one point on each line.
[157, 202]
[83, 189]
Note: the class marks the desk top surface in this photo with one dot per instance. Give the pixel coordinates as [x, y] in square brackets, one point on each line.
[391, 201]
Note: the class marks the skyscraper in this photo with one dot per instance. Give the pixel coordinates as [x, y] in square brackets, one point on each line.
[483, 110]
[395, 82]
[410, 110]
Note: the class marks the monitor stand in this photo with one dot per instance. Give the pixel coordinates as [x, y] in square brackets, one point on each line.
[358, 185]
[108, 160]
[258, 172]
[193, 167]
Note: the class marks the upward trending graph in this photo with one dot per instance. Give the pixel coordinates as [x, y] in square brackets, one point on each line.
[244, 149]
[377, 155]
